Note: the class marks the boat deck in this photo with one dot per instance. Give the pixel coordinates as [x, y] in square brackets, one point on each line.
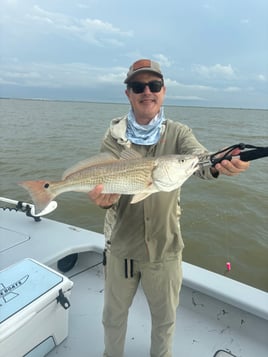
[204, 325]
[215, 312]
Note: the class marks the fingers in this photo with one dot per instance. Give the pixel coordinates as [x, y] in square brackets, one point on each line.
[101, 199]
[233, 167]
[235, 152]
[95, 193]
[107, 200]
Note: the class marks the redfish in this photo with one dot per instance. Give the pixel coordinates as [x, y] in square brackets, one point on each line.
[130, 174]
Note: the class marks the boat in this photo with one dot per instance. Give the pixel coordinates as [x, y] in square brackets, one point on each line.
[217, 316]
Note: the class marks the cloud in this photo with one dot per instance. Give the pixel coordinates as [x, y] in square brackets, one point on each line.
[52, 75]
[186, 97]
[244, 21]
[90, 30]
[232, 89]
[174, 84]
[188, 92]
[84, 47]
[113, 75]
[36, 21]
[83, 6]
[163, 60]
[261, 78]
[215, 71]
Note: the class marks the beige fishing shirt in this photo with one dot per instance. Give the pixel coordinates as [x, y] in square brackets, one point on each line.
[149, 231]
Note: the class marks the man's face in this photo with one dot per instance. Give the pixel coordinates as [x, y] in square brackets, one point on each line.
[146, 104]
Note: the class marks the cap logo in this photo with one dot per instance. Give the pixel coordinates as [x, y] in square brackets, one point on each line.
[141, 64]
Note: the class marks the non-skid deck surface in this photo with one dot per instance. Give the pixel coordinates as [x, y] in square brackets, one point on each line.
[203, 326]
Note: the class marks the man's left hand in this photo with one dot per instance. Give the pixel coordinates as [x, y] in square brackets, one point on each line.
[233, 167]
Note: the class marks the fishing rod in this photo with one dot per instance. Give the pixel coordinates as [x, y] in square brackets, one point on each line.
[255, 152]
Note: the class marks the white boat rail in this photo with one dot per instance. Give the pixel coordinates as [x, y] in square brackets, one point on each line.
[19, 204]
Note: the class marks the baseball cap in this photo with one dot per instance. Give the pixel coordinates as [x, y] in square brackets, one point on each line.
[143, 65]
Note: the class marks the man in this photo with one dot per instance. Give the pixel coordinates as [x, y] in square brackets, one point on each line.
[143, 240]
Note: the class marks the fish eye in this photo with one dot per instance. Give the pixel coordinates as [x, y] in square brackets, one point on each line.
[46, 185]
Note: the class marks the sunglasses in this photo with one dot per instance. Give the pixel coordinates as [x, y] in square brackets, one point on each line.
[138, 87]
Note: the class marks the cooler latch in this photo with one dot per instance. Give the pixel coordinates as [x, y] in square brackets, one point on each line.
[65, 303]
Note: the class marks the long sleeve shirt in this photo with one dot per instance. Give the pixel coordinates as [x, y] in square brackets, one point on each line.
[149, 231]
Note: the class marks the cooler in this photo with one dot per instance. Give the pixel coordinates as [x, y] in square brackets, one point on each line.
[33, 309]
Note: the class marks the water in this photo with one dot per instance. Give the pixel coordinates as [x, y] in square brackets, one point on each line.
[223, 220]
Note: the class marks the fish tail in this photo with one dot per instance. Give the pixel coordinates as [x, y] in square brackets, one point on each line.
[40, 193]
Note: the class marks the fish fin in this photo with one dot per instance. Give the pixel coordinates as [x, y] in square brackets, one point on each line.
[40, 193]
[140, 197]
[102, 158]
[128, 154]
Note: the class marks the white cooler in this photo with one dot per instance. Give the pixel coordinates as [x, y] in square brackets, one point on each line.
[33, 309]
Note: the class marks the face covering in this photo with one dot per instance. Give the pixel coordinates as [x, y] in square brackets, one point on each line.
[144, 134]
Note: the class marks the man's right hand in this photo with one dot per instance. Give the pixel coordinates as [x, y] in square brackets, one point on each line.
[103, 200]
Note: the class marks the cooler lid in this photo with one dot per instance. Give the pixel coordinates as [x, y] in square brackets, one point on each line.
[23, 283]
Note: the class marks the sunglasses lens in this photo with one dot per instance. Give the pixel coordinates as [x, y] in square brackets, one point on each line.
[138, 87]
[155, 86]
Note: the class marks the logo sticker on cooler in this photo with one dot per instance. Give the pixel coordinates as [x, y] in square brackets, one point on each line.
[7, 293]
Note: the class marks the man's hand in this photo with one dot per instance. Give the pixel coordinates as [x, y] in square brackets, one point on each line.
[101, 199]
[233, 167]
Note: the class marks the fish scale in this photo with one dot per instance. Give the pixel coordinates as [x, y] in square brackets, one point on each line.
[137, 173]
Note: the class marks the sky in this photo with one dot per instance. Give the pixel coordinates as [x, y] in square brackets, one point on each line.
[213, 53]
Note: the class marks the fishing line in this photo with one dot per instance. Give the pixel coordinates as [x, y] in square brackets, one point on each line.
[227, 243]
[254, 152]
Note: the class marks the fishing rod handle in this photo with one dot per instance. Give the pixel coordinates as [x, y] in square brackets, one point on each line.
[254, 154]
[244, 156]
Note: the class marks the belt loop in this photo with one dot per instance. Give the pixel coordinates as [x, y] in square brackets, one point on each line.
[131, 268]
[104, 260]
[126, 269]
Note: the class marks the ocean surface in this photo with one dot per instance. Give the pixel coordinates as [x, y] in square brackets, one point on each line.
[223, 221]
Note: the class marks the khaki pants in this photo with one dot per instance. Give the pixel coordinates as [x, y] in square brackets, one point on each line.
[161, 284]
